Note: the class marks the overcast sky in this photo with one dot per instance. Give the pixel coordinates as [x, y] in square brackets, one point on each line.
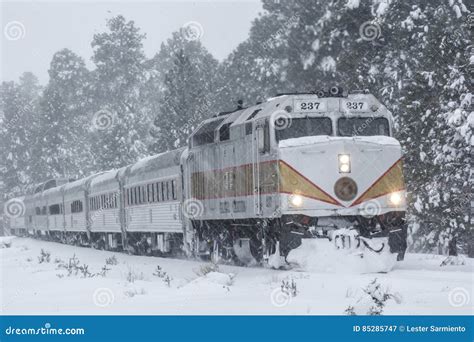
[48, 26]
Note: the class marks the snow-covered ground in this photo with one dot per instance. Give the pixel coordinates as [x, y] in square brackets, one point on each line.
[417, 286]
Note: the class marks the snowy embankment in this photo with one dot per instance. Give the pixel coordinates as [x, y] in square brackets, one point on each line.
[73, 280]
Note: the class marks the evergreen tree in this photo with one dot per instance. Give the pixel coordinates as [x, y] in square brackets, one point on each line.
[188, 92]
[18, 122]
[119, 124]
[63, 138]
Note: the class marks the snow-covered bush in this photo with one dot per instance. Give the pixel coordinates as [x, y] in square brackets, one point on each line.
[72, 266]
[163, 275]
[103, 271]
[132, 275]
[5, 244]
[45, 256]
[289, 287]
[159, 272]
[373, 300]
[111, 260]
[134, 292]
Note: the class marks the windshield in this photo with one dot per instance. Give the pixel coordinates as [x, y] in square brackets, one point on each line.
[303, 127]
[348, 127]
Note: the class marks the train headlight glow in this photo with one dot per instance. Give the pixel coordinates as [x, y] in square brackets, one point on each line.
[296, 200]
[395, 198]
[344, 163]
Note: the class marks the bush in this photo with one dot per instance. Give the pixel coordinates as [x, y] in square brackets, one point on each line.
[133, 292]
[45, 256]
[111, 261]
[374, 300]
[289, 287]
[131, 275]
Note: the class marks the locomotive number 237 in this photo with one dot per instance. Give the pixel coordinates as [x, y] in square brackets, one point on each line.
[309, 105]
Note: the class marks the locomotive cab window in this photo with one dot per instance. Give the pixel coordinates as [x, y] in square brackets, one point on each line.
[364, 126]
[302, 127]
[205, 134]
[224, 132]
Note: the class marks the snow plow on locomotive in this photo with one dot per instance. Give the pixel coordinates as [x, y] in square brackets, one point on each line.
[251, 187]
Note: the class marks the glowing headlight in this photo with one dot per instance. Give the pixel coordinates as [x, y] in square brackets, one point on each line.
[395, 198]
[296, 200]
[344, 163]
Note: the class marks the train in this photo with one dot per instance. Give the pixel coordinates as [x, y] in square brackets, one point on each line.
[251, 183]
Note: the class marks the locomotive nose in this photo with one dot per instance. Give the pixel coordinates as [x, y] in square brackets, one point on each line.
[344, 172]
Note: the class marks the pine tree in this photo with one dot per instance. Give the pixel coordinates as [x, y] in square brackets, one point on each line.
[188, 92]
[119, 125]
[63, 135]
[18, 122]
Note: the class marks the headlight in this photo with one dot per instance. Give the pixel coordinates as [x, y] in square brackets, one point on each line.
[344, 163]
[395, 198]
[296, 200]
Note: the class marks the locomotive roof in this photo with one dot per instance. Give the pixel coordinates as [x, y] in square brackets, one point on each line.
[280, 102]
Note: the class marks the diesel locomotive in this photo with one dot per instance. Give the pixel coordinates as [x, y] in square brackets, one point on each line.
[250, 183]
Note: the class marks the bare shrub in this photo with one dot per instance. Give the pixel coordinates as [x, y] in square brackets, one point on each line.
[289, 287]
[132, 275]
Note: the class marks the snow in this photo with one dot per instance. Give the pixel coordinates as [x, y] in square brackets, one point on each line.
[421, 286]
[319, 255]
[351, 4]
[379, 139]
[328, 64]
[142, 162]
